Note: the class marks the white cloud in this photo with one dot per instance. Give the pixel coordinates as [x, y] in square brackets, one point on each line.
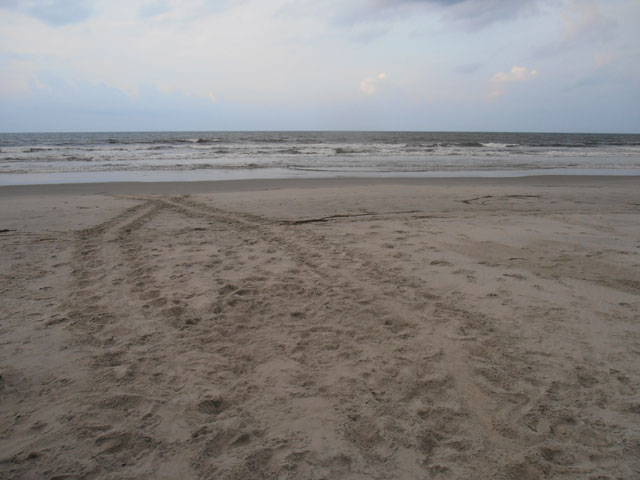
[516, 74]
[371, 85]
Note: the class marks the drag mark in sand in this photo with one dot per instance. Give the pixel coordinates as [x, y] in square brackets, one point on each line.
[350, 215]
[412, 322]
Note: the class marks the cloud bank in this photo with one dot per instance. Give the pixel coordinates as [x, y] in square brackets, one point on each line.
[282, 56]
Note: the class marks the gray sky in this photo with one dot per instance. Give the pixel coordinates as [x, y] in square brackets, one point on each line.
[487, 65]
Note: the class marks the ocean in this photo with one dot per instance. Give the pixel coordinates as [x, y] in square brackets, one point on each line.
[32, 158]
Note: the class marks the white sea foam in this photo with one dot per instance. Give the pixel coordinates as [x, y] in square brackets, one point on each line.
[300, 153]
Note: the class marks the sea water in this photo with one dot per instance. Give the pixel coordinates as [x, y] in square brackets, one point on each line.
[27, 158]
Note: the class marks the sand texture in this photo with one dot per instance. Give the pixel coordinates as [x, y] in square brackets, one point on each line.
[455, 330]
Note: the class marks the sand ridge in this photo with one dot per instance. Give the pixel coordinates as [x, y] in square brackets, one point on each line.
[476, 332]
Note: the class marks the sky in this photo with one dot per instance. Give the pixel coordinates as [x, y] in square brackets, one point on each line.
[426, 65]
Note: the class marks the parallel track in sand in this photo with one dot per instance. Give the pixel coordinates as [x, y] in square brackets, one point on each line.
[273, 351]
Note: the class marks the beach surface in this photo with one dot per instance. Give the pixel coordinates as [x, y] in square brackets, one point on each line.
[322, 329]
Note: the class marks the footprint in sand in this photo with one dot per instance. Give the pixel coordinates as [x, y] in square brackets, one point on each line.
[212, 405]
[443, 263]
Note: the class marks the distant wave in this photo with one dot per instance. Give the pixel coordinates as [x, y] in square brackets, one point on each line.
[38, 149]
[500, 145]
[351, 151]
[289, 151]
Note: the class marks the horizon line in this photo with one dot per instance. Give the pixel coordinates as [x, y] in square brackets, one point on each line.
[320, 131]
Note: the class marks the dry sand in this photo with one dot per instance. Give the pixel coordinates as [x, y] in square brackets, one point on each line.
[455, 329]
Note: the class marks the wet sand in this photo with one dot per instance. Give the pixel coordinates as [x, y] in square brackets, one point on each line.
[344, 328]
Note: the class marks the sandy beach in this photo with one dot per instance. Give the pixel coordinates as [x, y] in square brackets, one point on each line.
[321, 329]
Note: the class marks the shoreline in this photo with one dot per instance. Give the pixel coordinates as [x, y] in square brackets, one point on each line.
[220, 186]
[162, 176]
